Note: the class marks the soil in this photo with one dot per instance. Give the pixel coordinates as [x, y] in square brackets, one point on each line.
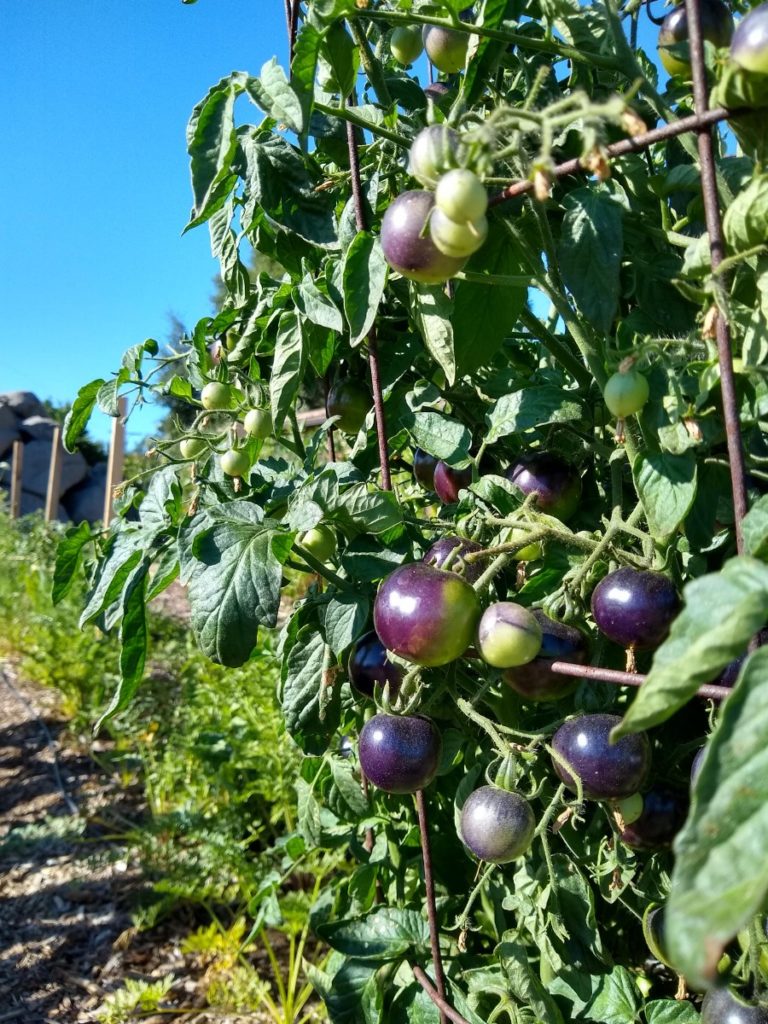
[69, 884]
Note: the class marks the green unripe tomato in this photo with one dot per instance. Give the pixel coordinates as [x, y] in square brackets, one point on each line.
[216, 396]
[454, 239]
[350, 401]
[446, 48]
[530, 552]
[433, 152]
[235, 462]
[626, 393]
[193, 447]
[320, 541]
[461, 196]
[231, 338]
[406, 44]
[508, 635]
[653, 932]
[258, 423]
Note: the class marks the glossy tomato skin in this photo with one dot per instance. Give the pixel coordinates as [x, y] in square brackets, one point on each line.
[457, 240]
[635, 607]
[406, 44]
[437, 91]
[441, 549]
[435, 149]
[216, 396]
[607, 771]
[556, 483]
[461, 195]
[626, 393]
[508, 635]
[723, 1006]
[536, 681]
[716, 26]
[350, 401]
[235, 462]
[750, 41]
[664, 812]
[424, 466]
[258, 423]
[654, 933]
[320, 541]
[368, 664]
[193, 447]
[399, 754]
[496, 825]
[449, 481]
[405, 248]
[426, 615]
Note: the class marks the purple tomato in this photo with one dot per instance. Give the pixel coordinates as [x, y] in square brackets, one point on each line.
[635, 607]
[368, 664]
[556, 483]
[496, 825]
[407, 248]
[536, 681]
[664, 811]
[449, 481]
[399, 754]
[608, 771]
[424, 466]
[446, 546]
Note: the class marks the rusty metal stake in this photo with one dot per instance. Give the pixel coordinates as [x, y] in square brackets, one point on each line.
[429, 887]
[609, 675]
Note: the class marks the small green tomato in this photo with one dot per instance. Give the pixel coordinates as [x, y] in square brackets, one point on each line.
[258, 423]
[235, 462]
[320, 542]
[406, 44]
[530, 552]
[193, 447]
[216, 396]
[461, 196]
[626, 393]
[457, 239]
[508, 635]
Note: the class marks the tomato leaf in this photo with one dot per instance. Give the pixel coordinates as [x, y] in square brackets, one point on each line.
[343, 618]
[307, 717]
[432, 310]
[722, 611]
[125, 553]
[528, 408]
[234, 580]
[440, 436]
[363, 278]
[755, 526]
[720, 878]
[616, 1001]
[590, 250]
[666, 485]
[670, 1011]
[211, 144]
[68, 557]
[276, 96]
[524, 984]
[303, 67]
[288, 366]
[78, 416]
[385, 933]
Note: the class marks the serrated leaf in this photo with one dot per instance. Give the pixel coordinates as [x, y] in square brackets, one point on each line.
[317, 306]
[234, 580]
[720, 879]
[439, 435]
[722, 612]
[367, 509]
[68, 557]
[670, 1011]
[590, 251]
[617, 999]
[302, 681]
[530, 407]
[432, 310]
[385, 933]
[363, 277]
[287, 366]
[211, 144]
[349, 787]
[746, 219]
[275, 95]
[524, 985]
[344, 617]
[125, 553]
[78, 416]
[666, 485]
[303, 67]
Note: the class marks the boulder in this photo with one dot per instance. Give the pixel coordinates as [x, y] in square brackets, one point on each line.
[86, 500]
[37, 460]
[34, 503]
[23, 404]
[38, 428]
[7, 437]
[8, 418]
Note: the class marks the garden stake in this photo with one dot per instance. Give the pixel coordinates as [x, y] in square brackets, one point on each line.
[445, 1008]
[609, 675]
[717, 253]
[429, 886]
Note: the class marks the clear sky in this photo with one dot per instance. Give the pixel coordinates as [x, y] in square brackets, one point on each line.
[94, 177]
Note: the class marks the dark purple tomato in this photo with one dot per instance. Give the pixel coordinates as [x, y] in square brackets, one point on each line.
[346, 747]
[424, 466]
[409, 251]
[426, 615]
[437, 91]
[555, 482]
[723, 1006]
[350, 401]
[653, 932]
[496, 825]
[750, 41]
[716, 27]
[608, 771]
[635, 607]
[368, 664]
[449, 481]
[441, 549]
[536, 681]
[662, 817]
[399, 754]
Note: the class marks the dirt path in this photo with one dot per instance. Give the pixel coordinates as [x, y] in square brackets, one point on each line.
[67, 887]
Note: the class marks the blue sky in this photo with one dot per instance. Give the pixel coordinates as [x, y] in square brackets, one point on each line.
[94, 177]
[95, 182]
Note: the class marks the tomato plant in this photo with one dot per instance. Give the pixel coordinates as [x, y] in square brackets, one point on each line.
[484, 376]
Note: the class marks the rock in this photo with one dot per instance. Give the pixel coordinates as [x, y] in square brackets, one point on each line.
[38, 428]
[34, 503]
[86, 500]
[7, 437]
[23, 404]
[8, 418]
[37, 460]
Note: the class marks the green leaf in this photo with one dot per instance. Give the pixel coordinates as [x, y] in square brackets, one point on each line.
[343, 618]
[68, 556]
[301, 690]
[440, 436]
[486, 58]
[125, 553]
[670, 1011]
[432, 311]
[211, 144]
[234, 580]
[351, 994]
[385, 933]
[349, 788]
[287, 367]
[363, 277]
[483, 314]
[617, 999]
[590, 251]
[746, 220]
[134, 639]
[78, 416]
[367, 509]
[108, 396]
[720, 879]
[316, 305]
[722, 612]
[755, 526]
[340, 54]
[275, 95]
[528, 408]
[666, 485]
[524, 984]
[303, 67]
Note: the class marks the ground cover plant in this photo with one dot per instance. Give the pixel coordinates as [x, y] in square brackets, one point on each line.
[543, 354]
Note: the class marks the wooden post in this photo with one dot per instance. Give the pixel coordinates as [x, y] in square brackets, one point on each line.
[54, 478]
[116, 460]
[17, 466]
